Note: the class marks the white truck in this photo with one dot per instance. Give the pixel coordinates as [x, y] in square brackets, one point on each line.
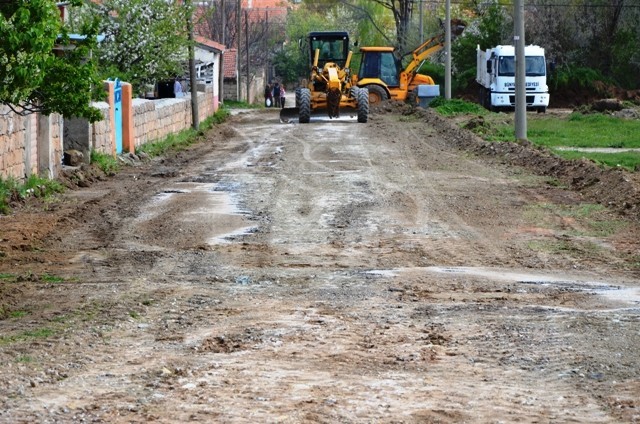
[496, 74]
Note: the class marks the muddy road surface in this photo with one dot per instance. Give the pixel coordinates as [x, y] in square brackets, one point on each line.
[320, 273]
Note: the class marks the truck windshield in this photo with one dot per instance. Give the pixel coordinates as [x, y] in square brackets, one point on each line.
[535, 66]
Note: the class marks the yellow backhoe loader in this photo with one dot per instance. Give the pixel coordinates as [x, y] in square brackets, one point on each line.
[381, 71]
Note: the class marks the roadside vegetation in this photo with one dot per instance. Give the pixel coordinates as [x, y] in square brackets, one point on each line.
[186, 137]
[34, 186]
[573, 136]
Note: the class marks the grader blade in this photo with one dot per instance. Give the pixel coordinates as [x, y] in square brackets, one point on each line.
[289, 114]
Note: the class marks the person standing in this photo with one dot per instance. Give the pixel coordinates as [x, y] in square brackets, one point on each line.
[276, 93]
[282, 98]
[268, 97]
[177, 88]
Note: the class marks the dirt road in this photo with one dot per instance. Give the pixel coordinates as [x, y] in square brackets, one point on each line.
[329, 272]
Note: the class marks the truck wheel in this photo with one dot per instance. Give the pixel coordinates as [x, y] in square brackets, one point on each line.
[487, 101]
[482, 98]
[305, 106]
[362, 96]
[542, 109]
[377, 94]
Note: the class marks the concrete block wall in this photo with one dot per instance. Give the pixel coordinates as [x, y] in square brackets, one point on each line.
[101, 140]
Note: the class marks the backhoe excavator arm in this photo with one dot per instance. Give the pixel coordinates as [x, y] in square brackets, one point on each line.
[423, 51]
[432, 46]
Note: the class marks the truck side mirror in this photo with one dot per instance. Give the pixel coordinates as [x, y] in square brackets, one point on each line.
[488, 66]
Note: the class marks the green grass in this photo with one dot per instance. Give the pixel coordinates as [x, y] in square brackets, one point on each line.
[592, 219]
[234, 104]
[563, 247]
[184, 138]
[595, 130]
[51, 278]
[456, 107]
[107, 163]
[628, 160]
[576, 130]
[34, 186]
[177, 141]
[40, 333]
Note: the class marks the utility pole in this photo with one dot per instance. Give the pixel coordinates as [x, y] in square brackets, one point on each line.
[238, 33]
[223, 24]
[421, 24]
[195, 120]
[246, 46]
[521, 94]
[447, 51]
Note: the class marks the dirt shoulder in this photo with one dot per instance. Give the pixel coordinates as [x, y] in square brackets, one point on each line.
[398, 271]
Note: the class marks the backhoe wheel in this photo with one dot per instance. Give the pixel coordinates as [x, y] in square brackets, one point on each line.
[362, 96]
[377, 94]
[305, 106]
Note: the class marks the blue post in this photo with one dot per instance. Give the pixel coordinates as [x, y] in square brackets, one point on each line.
[117, 104]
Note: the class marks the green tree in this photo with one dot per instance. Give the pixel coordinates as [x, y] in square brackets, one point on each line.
[146, 40]
[293, 61]
[33, 77]
[491, 28]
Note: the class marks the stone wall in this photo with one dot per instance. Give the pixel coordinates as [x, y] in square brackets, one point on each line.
[154, 120]
[29, 145]
[34, 144]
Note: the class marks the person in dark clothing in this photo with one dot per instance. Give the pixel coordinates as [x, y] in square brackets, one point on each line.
[276, 94]
[268, 96]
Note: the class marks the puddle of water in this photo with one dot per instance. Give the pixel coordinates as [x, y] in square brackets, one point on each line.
[610, 290]
[230, 236]
[620, 294]
[212, 205]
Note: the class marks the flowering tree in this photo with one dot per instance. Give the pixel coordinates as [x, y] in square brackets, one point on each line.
[33, 77]
[145, 39]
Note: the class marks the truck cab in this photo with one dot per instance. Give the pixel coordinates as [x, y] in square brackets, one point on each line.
[496, 73]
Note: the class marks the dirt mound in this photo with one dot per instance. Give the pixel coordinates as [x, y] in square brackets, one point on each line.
[614, 188]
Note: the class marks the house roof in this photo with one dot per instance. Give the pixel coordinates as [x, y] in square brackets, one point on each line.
[209, 44]
[229, 63]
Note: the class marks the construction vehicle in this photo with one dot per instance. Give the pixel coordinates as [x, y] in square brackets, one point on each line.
[496, 74]
[382, 73]
[329, 89]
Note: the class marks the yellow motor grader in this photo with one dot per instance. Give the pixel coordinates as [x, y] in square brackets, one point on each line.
[330, 89]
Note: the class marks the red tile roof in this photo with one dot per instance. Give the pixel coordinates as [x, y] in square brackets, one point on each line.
[213, 45]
